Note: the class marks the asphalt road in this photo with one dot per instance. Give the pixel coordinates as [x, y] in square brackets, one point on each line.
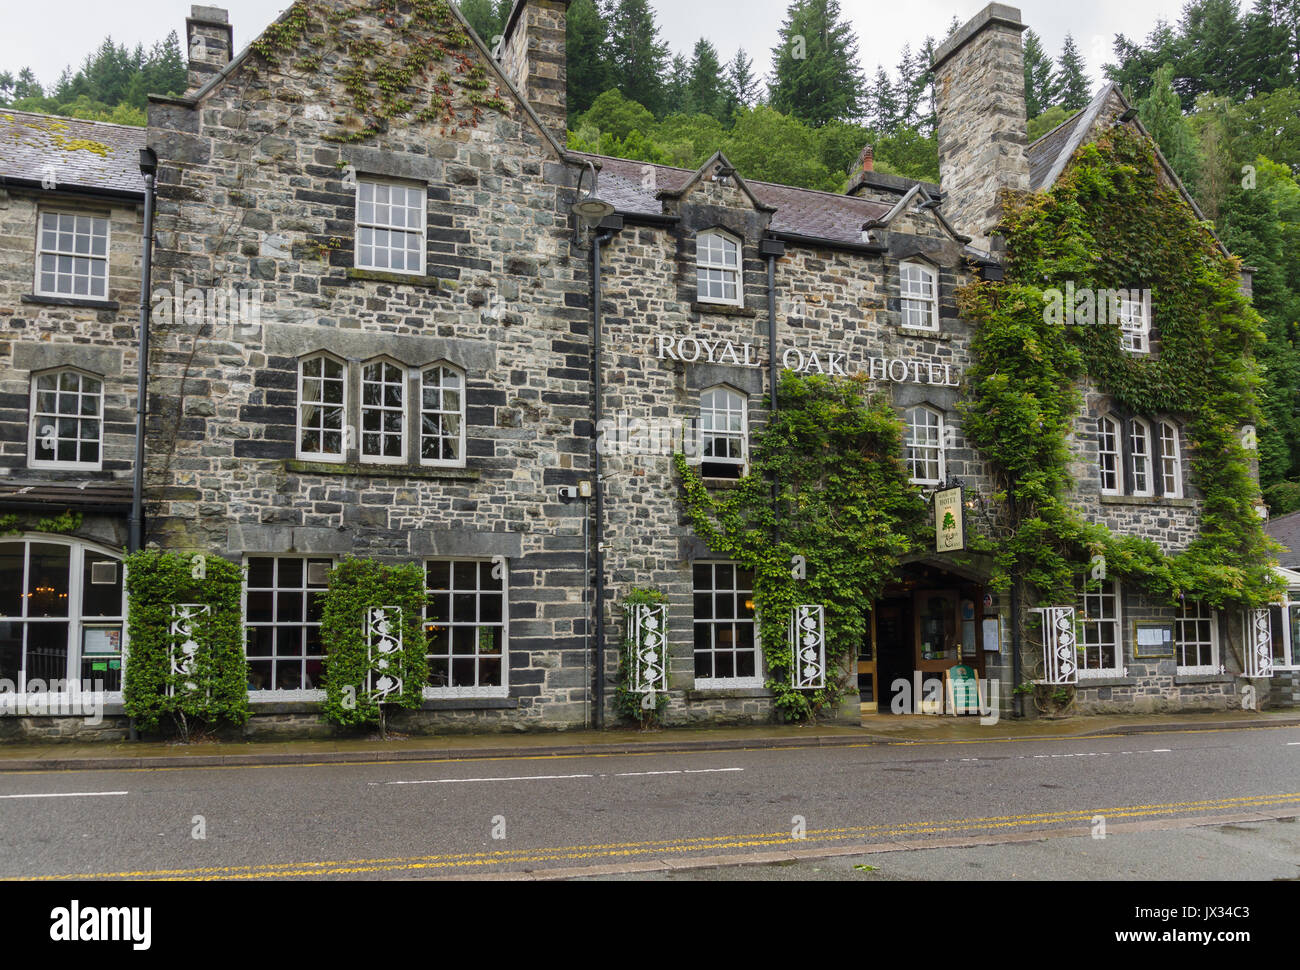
[597, 815]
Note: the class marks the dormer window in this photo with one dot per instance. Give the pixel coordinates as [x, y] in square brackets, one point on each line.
[919, 297]
[1134, 321]
[717, 262]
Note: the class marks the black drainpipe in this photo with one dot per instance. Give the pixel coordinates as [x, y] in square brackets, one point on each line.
[609, 226]
[135, 527]
[1018, 704]
[773, 249]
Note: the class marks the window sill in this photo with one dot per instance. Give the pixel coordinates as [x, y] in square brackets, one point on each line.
[903, 331]
[1149, 500]
[1216, 678]
[388, 276]
[720, 482]
[382, 471]
[76, 301]
[723, 309]
[1110, 681]
[726, 693]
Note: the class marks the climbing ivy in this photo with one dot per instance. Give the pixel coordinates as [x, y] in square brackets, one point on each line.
[155, 582]
[355, 586]
[843, 501]
[1112, 222]
[413, 74]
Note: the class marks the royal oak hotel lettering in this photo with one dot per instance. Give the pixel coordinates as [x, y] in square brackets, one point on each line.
[896, 370]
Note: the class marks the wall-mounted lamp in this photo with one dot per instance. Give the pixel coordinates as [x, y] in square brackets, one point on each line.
[590, 209]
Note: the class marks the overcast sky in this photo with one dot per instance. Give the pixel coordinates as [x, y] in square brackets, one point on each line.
[49, 35]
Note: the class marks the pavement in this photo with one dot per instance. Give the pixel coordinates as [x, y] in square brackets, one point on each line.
[875, 729]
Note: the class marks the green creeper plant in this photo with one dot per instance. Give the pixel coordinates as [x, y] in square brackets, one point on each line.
[1114, 221]
[356, 586]
[155, 583]
[843, 501]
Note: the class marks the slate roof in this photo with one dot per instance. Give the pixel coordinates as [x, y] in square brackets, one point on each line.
[1286, 530]
[1049, 155]
[802, 212]
[89, 155]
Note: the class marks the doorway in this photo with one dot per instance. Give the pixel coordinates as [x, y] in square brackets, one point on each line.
[925, 624]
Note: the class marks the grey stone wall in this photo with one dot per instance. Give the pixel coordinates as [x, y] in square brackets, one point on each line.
[979, 85]
[256, 190]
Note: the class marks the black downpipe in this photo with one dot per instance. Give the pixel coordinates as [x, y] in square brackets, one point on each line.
[598, 715]
[771, 322]
[1018, 707]
[135, 527]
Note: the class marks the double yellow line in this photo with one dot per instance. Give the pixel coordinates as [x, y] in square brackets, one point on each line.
[623, 850]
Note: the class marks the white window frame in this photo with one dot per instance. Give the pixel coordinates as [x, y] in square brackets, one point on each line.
[1290, 647]
[76, 621]
[461, 415]
[403, 383]
[1083, 619]
[918, 295]
[271, 694]
[911, 445]
[1134, 323]
[330, 456]
[374, 225]
[1140, 431]
[713, 433]
[37, 425]
[725, 683]
[1171, 460]
[1181, 619]
[1108, 427]
[707, 262]
[41, 251]
[493, 691]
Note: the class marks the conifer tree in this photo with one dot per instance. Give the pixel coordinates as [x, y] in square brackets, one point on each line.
[637, 55]
[1040, 77]
[1075, 92]
[815, 72]
[706, 87]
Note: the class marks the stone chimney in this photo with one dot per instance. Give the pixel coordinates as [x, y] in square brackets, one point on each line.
[209, 41]
[979, 81]
[533, 58]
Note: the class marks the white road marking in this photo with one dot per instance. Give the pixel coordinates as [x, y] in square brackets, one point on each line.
[455, 781]
[1292, 744]
[66, 794]
[621, 774]
[1160, 751]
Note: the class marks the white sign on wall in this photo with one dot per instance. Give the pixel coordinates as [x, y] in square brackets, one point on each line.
[895, 370]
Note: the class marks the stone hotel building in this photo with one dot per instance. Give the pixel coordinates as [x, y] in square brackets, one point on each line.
[384, 344]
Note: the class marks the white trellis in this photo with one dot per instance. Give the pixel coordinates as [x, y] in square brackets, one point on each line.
[808, 647]
[183, 648]
[383, 652]
[1060, 661]
[1259, 644]
[648, 626]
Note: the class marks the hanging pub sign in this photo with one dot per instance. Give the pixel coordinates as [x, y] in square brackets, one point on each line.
[949, 526]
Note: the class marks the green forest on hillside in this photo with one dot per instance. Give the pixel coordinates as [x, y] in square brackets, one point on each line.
[1219, 90]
